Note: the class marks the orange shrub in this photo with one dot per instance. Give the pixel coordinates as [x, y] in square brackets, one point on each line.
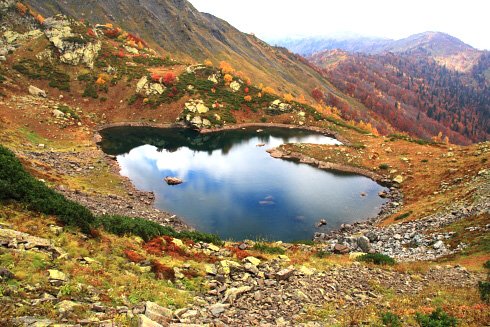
[133, 256]
[288, 97]
[21, 8]
[208, 63]
[226, 67]
[40, 19]
[268, 90]
[228, 78]
[247, 98]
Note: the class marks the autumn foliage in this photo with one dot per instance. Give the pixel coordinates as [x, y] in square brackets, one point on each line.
[288, 97]
[228, 78]
[247, 98]
[208, 63]
[133, 256]
[169, 78]
[226, 68]
[21, 8]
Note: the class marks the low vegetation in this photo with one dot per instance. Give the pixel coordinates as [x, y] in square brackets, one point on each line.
[377, 259]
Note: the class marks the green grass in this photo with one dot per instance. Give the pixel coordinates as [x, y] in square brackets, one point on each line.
[264, 248]
[19, 186]
[404, 215]
[377, 259]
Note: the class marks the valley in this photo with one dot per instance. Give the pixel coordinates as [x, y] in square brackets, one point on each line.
[83, 244]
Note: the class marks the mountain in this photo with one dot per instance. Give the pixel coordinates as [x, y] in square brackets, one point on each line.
[414, 93]
[445, 49]
[177, 28]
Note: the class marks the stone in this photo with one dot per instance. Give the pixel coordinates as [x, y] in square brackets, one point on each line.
[437, 245]
[398, 179]
[144, 321]
[173, 180]
[231, 294]
[213, 247]
[218, 308]
[5, 274]
[56, 275]
[306, 271]
[66, 306]
[210, 269]
[364, 244]
[372, 236]
[35, 91]
[341, 249]
[141, 84]
[235, 86]
[285, 273]
[254, 261]
[157, 313]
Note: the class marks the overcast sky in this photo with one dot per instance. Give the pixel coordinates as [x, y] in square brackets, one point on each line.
[468, 20]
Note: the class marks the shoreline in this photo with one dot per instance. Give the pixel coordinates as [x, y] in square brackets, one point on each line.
[386, 209]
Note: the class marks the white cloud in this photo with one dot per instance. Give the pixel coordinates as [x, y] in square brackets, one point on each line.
[273, 19]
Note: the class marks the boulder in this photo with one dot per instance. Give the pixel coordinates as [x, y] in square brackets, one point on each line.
[398, 179]
[285, 273]
[58, 114]
[157, 313]
[218, 308]
[341, 249]
[173, 180]
[144, 321]
[364, 244]
[254, 261]
[37, 91]
[231, 294]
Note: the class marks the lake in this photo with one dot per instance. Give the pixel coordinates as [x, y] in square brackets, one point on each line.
[232, 187]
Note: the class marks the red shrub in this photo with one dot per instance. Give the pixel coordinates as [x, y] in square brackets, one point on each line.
[91, 33]
[169, 78]
[161, 271]
[133, 256]
[240, 254]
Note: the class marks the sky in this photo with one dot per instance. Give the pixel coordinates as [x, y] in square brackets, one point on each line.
[270, 20]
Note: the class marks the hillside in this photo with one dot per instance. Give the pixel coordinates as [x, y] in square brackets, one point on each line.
[80, 245]
[177, 28]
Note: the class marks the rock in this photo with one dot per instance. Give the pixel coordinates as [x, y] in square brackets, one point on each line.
[398, 179]
[66, 306]
[243, 246]
[372, 236]
[37, 91]
[341, 249]
[437, 245]
[363, 244]
[141, 84]
[235, 86]
[285, 273]
[322, 222]
[173, 180]
[218, 308]
[5, 274]
[306, 271]
[210, 269]
[157, 313]
[144, 321]
[57, 275]
[213, 78]
[231, 294]
[213, 247]
[254, 261]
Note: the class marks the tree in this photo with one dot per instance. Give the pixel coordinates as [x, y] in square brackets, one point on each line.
[288, 97]
[169, 78]
[228, 78]
[226, 67]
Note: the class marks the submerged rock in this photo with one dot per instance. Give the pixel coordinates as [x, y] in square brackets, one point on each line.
[173, 180]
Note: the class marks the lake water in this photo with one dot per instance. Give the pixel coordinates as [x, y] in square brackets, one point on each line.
[232, 187]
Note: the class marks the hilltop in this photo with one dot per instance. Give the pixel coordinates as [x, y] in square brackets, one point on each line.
[79, 245]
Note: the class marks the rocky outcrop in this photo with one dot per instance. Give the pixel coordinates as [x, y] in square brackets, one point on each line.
[192, 114]
[17, 240]
[144, 86]
[35, 91]
[74, 49]
[279, 107]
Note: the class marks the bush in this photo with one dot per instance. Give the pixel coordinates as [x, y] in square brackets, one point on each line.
[484, 288]
[404, 215]
[90, 91]
[2, 78]
[390, 319]
[437, 318]
[384, 166]
[268, 249]
[16, 184]
[147, 230]
[377, 259]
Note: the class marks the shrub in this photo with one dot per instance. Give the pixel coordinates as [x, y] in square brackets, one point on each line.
[484, 288]
[268, 249]
[384, 166]
[390, 319]
[2, 78]
[90, 91]
[377, 259]
[16, 184]
[322, 254]
[75, 39]
[404, 215]
[147, 230]
[437, 318]
[69, 111]
[486, 264]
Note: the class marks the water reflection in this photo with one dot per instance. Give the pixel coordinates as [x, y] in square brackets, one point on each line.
[234, 188]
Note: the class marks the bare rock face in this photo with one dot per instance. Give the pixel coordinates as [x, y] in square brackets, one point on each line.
[35, 91]
[75, 49]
